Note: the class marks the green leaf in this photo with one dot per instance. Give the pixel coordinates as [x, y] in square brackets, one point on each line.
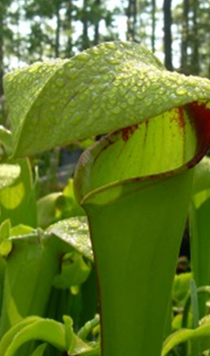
[61, 336]
[31, 266]
[199, 336]
[181, 287]
[74, 271]
[5, 142]
[186, 321]
[117, 84]
[199, 213]
[5, 247]
[94, 351]
[75, 345]
[69, 335]
[39, 350]
[75, 232]
[17, 200]
[2, 273]
[5, 229]
[12, 332]
[47, 209]
[46, 330]
[9, 173]
[201, 180]
[20, 230]
[58, 206]
[194, 303]
[88, 327]
[67, 203]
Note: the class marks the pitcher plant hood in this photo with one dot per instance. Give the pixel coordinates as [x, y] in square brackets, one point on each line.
[105, 88]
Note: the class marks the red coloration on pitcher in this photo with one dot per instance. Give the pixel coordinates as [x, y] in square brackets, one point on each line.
[199, 115]
[181, 120]
[128, 131]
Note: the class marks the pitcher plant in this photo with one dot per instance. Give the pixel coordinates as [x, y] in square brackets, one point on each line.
[134, 183]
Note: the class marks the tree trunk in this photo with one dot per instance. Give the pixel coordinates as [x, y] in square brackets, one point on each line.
[153, 25]
[57, 33]
[1, 48]
[195, 53]
[69, 46]
[185, 38]
[131, 13]
[85, 38]
[167, 34]
[96, 32]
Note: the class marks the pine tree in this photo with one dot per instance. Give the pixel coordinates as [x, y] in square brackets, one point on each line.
[6, 40]
[167, 33]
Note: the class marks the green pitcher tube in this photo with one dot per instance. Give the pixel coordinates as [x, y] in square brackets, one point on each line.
[136, 241]
[136, 189]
